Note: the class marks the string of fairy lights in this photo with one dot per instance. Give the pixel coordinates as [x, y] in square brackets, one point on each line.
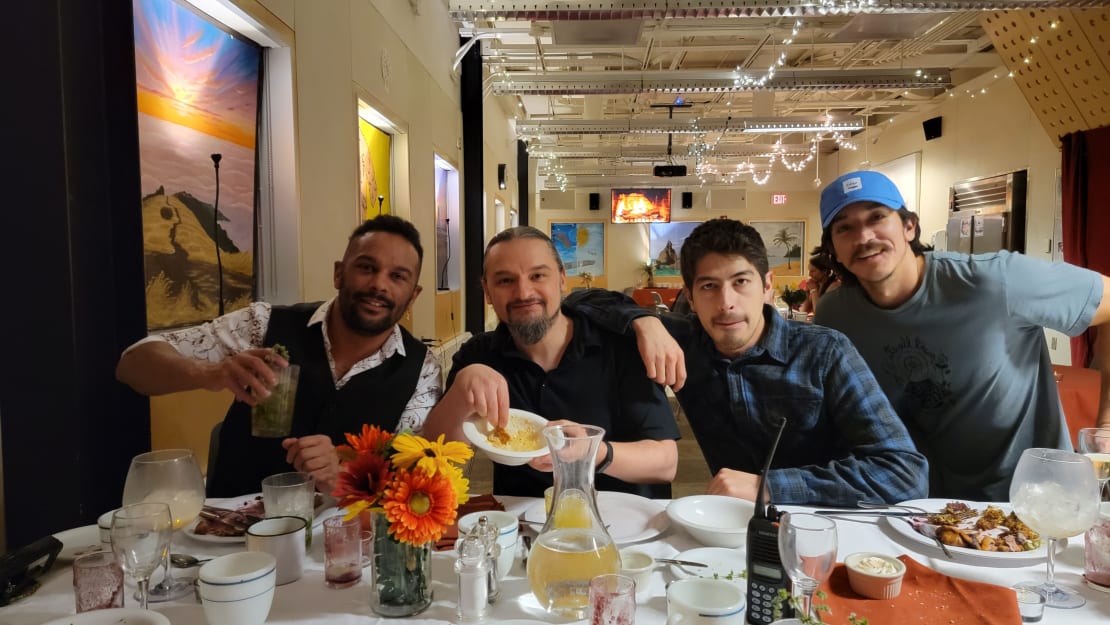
[709, 167]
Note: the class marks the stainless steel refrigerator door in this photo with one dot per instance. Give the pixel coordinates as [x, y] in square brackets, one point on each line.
[959, 232]
[988, 233]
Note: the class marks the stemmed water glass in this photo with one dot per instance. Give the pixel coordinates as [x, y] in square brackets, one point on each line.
[172, 477]
[141, 540]
[807, 546]
[1055, 493]
[1095, 444]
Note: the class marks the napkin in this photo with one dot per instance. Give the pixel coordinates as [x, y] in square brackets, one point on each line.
[475, 504]
[927, 598]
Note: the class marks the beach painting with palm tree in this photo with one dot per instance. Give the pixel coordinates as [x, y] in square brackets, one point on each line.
[785, 241]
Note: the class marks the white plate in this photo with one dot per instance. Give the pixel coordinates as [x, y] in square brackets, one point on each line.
[232, 503]
[720, 563]
[113, 616]
[79, 541]
[927, 546]
[631, 518]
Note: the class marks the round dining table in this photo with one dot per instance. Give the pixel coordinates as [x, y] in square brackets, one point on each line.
[308, 601]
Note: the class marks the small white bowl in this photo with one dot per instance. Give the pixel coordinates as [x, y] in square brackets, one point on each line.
[238, 589]
[865, 578]
[638, 565]
[478, 430]
[713, 520]
[104, 526]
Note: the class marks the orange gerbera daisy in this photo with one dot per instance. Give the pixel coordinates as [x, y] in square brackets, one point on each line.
[372, 439]
[419, 507]
[363, 480]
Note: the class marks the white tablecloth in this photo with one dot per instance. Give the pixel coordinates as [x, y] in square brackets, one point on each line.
[308, 601]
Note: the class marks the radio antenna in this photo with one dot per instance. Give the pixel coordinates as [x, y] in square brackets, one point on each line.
[761, 510]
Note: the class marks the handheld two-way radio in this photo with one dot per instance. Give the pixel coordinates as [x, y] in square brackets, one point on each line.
[766, 575]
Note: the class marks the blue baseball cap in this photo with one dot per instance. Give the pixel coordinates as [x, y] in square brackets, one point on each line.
[858, 186]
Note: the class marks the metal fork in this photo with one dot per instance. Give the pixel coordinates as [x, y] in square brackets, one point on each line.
[882, 506]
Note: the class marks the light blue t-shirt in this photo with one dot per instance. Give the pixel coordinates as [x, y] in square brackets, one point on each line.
[965, 364]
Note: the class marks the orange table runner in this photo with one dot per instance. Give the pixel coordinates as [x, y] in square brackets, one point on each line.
[927, 598]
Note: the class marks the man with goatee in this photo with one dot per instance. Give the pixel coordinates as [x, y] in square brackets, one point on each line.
[357, 364]
[544, 359]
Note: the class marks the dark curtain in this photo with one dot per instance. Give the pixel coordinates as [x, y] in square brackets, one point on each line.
[1085, 186]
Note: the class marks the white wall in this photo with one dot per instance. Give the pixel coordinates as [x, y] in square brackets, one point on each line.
[989, 134]
[400, 63]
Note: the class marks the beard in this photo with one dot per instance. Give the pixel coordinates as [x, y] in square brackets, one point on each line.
[349, 312]
[531, 331]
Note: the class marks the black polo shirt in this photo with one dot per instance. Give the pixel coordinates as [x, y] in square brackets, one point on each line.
[600, 381]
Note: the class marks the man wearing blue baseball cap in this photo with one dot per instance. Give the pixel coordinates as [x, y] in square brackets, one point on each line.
[955, 340]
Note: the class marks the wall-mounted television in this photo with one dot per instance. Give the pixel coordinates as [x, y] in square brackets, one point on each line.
[637, 206]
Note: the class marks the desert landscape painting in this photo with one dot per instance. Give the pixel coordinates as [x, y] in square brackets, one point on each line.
[197, 90]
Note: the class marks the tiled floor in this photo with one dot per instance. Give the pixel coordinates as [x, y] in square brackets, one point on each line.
[693, 474]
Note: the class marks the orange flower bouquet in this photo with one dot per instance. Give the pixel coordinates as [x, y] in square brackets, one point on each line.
[412, 488]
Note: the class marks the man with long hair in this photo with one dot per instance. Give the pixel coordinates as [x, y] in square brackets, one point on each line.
[547, 360]
[955, 340]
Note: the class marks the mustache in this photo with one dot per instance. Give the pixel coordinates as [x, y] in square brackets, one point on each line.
[729, 319]
[526, 302]
[372, 297]
[870, 247]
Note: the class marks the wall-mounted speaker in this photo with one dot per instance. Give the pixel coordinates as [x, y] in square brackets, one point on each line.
[931, 128]
[687, 199]
[595, 201]
[501, 175]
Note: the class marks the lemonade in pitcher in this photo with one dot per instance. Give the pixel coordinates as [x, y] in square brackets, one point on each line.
[573, 546]
[562, 563]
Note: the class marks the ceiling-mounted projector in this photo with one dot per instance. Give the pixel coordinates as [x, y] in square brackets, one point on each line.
[669, 171]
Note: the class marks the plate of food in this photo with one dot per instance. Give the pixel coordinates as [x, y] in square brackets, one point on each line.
[974, 532]
[631, 518]
[226, 520]
[720, 563]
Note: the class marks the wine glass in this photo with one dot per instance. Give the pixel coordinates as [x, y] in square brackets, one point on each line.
[172, 477]
[141, 540]
[1055, 493]
[807, 545]
[1095, 444]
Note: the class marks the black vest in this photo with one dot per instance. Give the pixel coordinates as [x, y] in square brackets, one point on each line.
[377, 396]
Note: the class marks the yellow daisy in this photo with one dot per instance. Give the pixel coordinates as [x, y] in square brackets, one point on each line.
[416, 451]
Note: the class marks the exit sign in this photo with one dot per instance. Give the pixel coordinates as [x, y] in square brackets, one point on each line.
[778, 199]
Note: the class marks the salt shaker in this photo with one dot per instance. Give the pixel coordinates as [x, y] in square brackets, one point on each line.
[473, 571]
[489, 535]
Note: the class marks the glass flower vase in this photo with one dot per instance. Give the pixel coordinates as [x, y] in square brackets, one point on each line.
[400, 575]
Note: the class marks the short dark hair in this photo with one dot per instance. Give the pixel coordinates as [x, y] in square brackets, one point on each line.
[722, 236]
[821, 260]
[520, 232]
[393, 225]
[845, 276]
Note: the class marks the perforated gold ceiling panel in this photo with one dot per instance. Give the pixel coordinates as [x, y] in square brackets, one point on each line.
[1060, 59]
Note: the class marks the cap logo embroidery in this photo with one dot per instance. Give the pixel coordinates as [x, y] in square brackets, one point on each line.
[852, 184]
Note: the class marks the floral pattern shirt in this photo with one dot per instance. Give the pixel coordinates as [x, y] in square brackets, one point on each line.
[245, 329]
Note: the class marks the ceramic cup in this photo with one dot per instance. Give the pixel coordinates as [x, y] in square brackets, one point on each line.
[238, 589]
[283, 538]
[638, 565]
[508, 527]
[697, 601]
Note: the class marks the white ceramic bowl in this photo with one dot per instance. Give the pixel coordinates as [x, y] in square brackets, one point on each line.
[638, 565]
[478, 430]
[713, 520]
[238, 589]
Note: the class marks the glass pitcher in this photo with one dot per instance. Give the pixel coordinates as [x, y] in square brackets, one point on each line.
[573, 546]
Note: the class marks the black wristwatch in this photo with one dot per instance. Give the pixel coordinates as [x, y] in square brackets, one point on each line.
[608, 458]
